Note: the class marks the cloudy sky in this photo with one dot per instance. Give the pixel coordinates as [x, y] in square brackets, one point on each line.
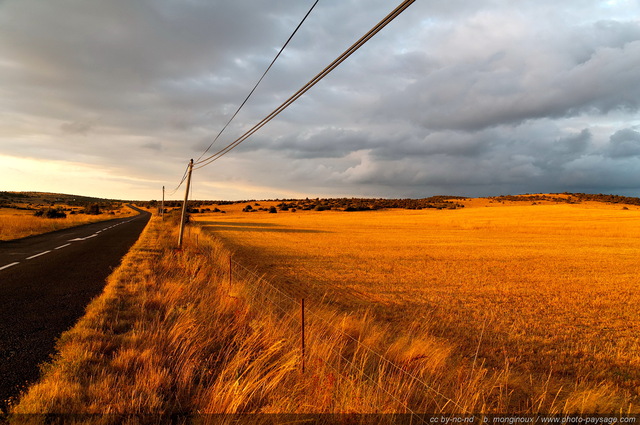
[466, 97]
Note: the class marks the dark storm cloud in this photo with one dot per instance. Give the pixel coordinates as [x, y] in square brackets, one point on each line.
[561, 152]
[512, 84]
[468, 97]
[624, 144]
[133, 64]
[449, 143]
[323, 143]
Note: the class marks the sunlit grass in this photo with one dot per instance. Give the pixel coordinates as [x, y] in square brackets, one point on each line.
[552, 289]
[15, 224]
[481, 310]
[169, 335]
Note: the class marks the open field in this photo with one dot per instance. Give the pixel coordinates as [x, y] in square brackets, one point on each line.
[19, 223]
[496, 307]
[547, 293]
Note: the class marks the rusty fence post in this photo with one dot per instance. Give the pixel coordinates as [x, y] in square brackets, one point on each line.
[302, 333]
[230, 271]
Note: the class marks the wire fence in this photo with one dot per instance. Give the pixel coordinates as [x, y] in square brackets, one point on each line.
[351, 364]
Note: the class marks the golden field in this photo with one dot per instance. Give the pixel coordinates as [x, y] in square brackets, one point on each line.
[15, 224]
[548, 293]
[494, 308]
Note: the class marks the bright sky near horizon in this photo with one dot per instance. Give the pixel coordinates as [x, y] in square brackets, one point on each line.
[463, 97]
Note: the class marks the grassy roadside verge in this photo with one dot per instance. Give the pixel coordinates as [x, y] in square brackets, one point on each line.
[171, 335]
[162, 338]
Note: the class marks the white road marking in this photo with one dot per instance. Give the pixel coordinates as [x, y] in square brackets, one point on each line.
[37, 255]
[65, 245]
[8, 265]
[96, 233]
[83, 239]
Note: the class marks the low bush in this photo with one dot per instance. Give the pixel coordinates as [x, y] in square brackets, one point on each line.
[50, 213]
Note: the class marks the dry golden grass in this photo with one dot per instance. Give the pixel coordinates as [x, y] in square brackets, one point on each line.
[169, 335]
[15, 224]
[483, 310]
[545, 294]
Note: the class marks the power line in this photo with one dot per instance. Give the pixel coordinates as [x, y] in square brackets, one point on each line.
[397, 11]
[184, 177]
[259, 81]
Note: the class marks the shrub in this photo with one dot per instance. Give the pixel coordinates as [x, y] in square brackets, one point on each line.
[174, 216]
[93, 209]
[50, 213]
[272, 210]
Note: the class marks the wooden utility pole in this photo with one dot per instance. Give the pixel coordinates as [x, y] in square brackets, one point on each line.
[162, 205]
[184, 205]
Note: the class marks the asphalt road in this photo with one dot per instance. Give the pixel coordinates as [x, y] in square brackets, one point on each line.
[46, 281]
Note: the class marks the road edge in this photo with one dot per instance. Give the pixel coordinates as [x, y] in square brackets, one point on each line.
[143, 247]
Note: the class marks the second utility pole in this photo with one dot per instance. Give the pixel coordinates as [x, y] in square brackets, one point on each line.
[184, 206]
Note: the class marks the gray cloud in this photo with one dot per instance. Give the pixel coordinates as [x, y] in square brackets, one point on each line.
[470, 97]
[76, 127]
[512, 84]
[624, 144]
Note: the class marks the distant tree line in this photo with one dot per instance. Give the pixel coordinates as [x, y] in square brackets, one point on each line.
[317, 204]
[368, 204]
[569, 198]
[612, 199]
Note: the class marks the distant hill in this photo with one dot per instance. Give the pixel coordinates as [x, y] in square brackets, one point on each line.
[32, 200]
